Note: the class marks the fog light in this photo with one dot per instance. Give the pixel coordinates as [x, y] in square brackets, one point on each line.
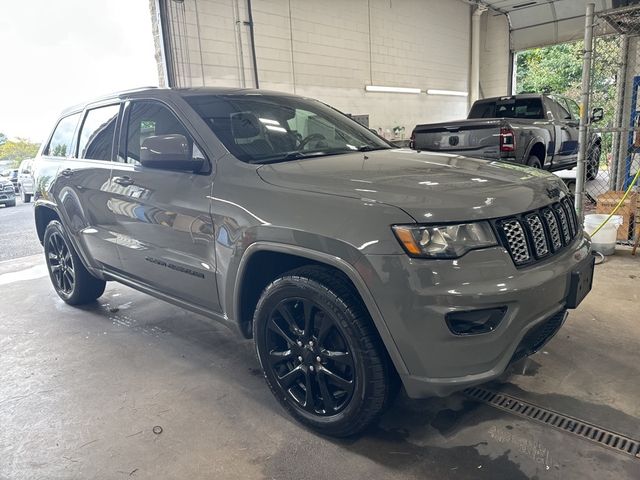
[474, 322]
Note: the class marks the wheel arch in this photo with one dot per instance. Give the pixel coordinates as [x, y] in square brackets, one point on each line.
[43, 215]
[538, 149]
[264, 261]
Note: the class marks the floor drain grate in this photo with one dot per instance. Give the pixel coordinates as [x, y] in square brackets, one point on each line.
[588, 431]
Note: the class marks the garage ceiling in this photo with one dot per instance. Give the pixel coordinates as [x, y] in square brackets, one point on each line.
[535, 23]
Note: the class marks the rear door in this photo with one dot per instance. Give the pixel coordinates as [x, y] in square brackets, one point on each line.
[82, 185]
[164, 226]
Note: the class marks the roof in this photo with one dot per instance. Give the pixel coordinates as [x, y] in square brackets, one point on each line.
[535, 23]
[186, 92]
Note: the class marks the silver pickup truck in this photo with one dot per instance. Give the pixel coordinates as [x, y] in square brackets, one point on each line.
[536, 130]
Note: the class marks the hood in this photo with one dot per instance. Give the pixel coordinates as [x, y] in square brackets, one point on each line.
[431, 187]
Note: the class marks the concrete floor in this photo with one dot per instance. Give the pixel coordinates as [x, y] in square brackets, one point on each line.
[18, 236]
[81, 391]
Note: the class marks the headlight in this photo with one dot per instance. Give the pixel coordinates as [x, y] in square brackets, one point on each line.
[444, 241]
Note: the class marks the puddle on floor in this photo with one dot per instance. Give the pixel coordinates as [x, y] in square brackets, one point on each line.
[123, 320]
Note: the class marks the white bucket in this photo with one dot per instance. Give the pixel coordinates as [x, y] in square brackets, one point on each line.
[605, 240]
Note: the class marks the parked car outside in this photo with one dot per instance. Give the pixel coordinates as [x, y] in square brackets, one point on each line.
[7, 192]
[350, 263]
[12, 175]
[25, 180]
[536, 130]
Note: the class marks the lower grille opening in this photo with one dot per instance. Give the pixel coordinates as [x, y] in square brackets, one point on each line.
[538, 336]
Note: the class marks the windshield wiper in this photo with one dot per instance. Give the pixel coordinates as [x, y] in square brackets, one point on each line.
[295, 155]
[369, 148]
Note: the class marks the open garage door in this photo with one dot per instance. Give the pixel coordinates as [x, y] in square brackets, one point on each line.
[535, 23]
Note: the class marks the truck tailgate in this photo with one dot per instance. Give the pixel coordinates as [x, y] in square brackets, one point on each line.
[473, 137]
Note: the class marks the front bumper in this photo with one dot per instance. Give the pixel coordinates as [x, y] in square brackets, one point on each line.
[414, 295]
[7, 196]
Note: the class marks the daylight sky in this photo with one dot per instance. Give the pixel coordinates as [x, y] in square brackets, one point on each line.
[57, 53]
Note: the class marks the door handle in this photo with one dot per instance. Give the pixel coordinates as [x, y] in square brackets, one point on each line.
[124, 181]
[67, 172]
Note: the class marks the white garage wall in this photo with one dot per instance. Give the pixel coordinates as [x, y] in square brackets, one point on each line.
[331, 49]
[494, 55]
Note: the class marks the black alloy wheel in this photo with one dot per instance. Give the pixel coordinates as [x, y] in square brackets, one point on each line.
[72, 281]
[311, 359]
[60, 264]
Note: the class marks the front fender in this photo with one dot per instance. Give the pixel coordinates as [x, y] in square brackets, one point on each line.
[355, 272]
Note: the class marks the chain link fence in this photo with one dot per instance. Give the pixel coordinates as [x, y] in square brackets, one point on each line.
[612, 155]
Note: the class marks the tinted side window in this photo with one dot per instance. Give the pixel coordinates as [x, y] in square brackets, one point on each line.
[559, 112]
[575, 109]
[97, 133]
[62, 139]
[150, 119]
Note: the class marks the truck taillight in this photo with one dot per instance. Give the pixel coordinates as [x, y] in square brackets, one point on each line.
[507, 140]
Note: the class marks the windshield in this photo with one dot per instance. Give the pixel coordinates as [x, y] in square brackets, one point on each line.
[273, 128]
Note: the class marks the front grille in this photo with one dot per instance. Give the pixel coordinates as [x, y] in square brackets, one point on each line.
[533, 236]
[516, 239]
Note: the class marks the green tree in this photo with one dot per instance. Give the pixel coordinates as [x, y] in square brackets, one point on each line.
[18, 150]
[558, 69]
[555, 69]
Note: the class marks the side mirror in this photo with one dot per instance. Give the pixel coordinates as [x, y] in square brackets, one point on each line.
[597, 115]
[168, 152]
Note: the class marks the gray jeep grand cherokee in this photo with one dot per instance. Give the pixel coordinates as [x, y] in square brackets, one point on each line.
[353, 265]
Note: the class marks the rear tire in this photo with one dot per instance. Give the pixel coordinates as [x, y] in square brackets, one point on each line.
[10, 204]
[534, 162]
[321, 355]
[71, 280]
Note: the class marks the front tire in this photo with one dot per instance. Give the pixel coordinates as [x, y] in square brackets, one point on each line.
[72, 281]
[321, 355]
[593, 163]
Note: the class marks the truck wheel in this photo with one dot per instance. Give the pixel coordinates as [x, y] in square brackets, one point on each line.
[26, 198]
[10, 204]
[73, 283]
[593, 163]
[321, 355]
[534, 162]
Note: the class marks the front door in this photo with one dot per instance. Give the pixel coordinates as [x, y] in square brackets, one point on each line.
[566, 129]
[165, 232]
